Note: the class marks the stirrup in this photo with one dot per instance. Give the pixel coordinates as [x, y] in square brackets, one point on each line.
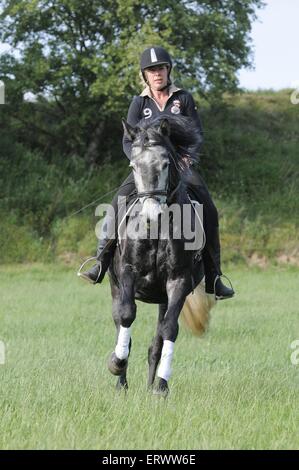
[85, 277]
[84, 263]
[231, 286]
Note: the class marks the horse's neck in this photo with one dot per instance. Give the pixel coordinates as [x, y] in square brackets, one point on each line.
[180, 195]
[177, 185]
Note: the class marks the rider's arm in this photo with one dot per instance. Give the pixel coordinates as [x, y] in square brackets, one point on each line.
[190, 110]
[133, 118]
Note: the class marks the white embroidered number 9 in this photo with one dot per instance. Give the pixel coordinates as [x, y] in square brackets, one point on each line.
[147, 113]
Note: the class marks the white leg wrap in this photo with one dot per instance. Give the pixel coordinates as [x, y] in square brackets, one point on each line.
[164, 371]
[122, 347]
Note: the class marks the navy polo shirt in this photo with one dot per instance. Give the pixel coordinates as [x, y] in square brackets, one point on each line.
[145, 107]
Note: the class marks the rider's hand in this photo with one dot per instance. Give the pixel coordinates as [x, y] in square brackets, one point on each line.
[187, 160]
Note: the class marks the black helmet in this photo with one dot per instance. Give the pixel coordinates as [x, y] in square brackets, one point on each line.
[155, 56]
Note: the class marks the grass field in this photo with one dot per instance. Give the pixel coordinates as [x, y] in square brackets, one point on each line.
[234, 388]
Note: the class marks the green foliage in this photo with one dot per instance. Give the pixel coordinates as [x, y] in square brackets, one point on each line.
[250, 162]
[73, 233]
[20, 243]
[36, 191]
[81, 60]
[251, 152]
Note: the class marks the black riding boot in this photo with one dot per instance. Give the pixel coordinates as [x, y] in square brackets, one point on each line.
[105, 253]
[211, 259]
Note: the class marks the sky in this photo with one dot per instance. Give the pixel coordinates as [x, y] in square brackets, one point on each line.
[275, 37]
[275, 41]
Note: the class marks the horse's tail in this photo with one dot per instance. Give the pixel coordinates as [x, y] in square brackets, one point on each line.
[196, 310]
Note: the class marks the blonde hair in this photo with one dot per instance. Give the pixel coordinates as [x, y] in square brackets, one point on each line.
[142, 81]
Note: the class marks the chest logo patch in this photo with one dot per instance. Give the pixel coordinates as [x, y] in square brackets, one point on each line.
[147, 113]
[176, 108]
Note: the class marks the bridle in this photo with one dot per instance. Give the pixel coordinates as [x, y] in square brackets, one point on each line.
[154, 194]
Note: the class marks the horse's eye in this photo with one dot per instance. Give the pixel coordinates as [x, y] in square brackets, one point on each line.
[165, 165]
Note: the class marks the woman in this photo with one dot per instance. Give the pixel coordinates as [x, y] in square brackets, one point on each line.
[161, 98]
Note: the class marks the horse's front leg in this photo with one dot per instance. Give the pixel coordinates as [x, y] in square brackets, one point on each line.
[118, 361]
[169, 327]
[155, 350]
[122, 383]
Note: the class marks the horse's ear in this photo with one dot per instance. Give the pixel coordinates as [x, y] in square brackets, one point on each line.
[164, 127]
[129, 131]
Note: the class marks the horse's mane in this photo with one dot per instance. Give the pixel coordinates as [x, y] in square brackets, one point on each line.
[183, 133]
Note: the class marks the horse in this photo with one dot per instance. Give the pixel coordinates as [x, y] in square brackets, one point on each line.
[158, 270]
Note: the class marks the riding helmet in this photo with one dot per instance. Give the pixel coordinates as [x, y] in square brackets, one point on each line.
[155, 56]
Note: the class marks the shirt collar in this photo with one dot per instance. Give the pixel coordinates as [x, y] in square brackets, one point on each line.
[147, 91]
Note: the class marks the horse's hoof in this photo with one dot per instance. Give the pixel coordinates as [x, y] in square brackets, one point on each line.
[162, 389]
[117, 366]
[122, 385]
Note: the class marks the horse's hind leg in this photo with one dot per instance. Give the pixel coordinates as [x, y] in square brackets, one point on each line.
[155, 350]
[176, 292]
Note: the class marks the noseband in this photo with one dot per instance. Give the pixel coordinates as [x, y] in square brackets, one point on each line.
[153, 194]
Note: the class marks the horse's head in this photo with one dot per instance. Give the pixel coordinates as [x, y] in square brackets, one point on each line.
[150, 160]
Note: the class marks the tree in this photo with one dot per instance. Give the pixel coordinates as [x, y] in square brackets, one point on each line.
[81, 59]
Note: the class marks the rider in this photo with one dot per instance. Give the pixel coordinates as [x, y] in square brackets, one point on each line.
[161, 98]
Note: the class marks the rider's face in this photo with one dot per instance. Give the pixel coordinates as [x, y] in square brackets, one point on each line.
[157, 77]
